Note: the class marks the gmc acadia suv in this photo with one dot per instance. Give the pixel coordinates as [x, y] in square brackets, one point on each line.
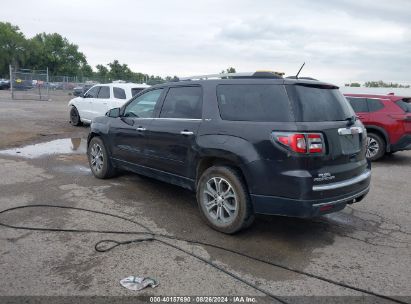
[388, 122]
[246, 143]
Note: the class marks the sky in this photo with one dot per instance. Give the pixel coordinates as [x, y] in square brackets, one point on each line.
[340, 41]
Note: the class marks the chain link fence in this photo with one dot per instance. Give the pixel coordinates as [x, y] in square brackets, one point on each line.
[40, 85]
[29, 84]
[26, 84]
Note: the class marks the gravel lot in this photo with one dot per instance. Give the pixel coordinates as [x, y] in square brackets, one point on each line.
[367, 245]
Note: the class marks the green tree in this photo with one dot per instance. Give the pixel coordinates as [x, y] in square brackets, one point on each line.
[86, 70]
[119, 71]
[102, 73]
[58, 54]
[382, 84]
[229, 70]
[12, 47]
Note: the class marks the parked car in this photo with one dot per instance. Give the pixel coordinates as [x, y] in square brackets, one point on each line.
[4, 84]
[387, 119]
[248, 143]
[22, 84]
[99, 99]
[81, 90]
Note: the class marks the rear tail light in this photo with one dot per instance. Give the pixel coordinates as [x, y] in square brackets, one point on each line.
[305, 143]
[315, 143]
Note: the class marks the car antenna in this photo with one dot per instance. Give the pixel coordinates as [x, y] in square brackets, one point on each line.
[296, 76]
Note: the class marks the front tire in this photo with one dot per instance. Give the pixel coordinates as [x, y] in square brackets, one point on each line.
[375, 147]
[74, 117]
[223, 200]
[98, 158]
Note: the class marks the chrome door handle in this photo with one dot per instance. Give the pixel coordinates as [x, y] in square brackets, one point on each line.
[186, 133]
[141, 129]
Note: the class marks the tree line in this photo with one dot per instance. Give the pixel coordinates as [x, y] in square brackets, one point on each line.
[62, 58]
[378, 84]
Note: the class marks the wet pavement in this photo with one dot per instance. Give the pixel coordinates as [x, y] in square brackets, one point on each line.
[54, 147]
[366, 245]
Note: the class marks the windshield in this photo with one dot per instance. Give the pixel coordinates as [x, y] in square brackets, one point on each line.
[319, 103]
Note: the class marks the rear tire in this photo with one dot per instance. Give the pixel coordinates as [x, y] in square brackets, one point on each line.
[98, 158]
[74, 117]
[223, 200]
[375, 147]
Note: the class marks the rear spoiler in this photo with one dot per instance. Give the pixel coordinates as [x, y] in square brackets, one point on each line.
[318, 85]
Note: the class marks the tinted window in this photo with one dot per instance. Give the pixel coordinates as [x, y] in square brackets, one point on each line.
[92, 93]
[135, 91]
[404, 105]
[256, 102]
[358, 104]
[119, 93]
[375, 105]
[319, 103]
[143, 105]
[104, 92]
[182, 102]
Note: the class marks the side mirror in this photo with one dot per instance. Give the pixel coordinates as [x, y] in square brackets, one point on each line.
[114, 113]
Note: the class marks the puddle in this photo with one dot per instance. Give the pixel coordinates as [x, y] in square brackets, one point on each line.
[54, 147]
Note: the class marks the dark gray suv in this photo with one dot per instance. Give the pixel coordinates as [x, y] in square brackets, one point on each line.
[246, 143]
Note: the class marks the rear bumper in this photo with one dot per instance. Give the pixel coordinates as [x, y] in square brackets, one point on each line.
[305, 208]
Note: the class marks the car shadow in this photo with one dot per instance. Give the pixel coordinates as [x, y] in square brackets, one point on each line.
[398, 158]
[274, 238]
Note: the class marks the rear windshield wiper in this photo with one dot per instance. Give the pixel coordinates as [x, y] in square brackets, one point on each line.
[351, 120]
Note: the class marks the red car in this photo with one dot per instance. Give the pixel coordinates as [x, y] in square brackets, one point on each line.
[387, 119]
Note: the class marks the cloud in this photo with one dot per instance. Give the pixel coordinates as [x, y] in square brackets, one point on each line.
[339, 40]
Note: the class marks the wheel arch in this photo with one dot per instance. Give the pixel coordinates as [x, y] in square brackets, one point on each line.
[91, 135]
[210, 161]
[381, 132]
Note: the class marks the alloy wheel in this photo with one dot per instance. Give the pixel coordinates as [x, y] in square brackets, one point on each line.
[220, 201]
[96, 157]
[372, 147]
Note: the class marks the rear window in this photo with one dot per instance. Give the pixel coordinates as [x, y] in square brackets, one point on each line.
[319, 103]
[358, 104]
[375, 104]
[104, 93]
[405, 104]
[182, 102]
[260, 102]
[119, 93]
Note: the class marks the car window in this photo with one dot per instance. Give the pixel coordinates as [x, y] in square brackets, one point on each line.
[135, 91]
[182, 102]
[403, 104]
[375, 105]
[104, 92]
[92, 93]
[358, 104]
[261, 102]
[319, 103]
[119, 93]
[143, 105]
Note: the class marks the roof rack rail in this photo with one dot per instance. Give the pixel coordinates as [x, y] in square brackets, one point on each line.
[257, 74]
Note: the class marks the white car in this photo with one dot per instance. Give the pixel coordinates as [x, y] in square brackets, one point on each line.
[101, 98]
